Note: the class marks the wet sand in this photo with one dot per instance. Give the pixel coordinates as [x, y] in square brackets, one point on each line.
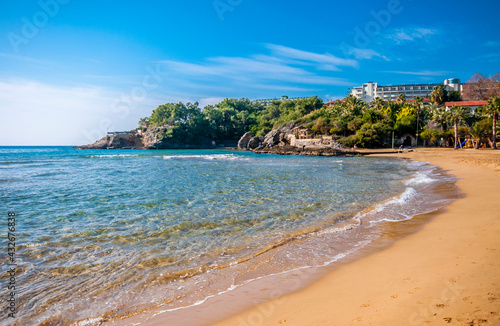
[448, 273]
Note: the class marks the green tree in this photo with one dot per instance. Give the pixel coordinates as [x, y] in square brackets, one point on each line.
[379, 103]
[454, 96]
[433, 136]
[401, 99]
[439, 95]
[406, 120]
[441, 116]
[372, 134]
[418, 106]
[457, 114]
[353, 105]
[492, 110]
[477, 132]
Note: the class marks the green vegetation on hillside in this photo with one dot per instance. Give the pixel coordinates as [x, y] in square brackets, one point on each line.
[350, 121]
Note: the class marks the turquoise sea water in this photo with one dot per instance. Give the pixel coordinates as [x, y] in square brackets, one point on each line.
[102, 234]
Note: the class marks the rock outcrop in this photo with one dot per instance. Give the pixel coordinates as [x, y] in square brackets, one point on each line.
[316, 151]
[255, 142]
[116, 141]
[285, 141]
[152, 138]
[244, 140]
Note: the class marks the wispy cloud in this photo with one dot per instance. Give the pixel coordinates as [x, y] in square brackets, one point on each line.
[364, 54]
[401, 35]
[490, 57]
[492, 43]
[420, 73]
[323, 60]
[284, 69]
[25, 59]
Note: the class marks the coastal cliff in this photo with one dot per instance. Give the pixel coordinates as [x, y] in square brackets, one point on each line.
[151, 138]
[116, 141]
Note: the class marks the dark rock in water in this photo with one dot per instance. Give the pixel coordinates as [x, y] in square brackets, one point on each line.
[255, 142]
[243, 142]
[115, 141]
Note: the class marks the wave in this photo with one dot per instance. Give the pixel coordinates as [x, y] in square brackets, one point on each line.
[210, 157]
[419, 179]
[113, 156]
[16, 162]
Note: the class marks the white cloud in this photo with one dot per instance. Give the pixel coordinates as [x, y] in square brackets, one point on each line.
[361, 54]
[25, 59]
[490, 57]
[492, 43]
[286, 68]
[401, 35]
[420, 73]
[323, 59]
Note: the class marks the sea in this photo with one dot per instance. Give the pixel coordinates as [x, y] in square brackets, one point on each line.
[101, 235]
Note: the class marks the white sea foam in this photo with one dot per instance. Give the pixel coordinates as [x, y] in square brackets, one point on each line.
[90, 322]
[222, 157]
[419, 179]
[408, 194]
[114, 155]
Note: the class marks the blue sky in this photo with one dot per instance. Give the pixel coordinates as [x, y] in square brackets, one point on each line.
[70, 70]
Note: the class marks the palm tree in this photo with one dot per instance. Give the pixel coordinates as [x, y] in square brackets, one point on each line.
[438, 95]
[401, 99]
[354, 105]
[379, 102]
[492, 109]
[418, 105]
[457, 113]
[477, 132]
[440, 115]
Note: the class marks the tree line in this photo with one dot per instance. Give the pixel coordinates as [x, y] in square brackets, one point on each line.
[350, 121]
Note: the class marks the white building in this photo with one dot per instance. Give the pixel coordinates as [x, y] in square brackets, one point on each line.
[369, 91]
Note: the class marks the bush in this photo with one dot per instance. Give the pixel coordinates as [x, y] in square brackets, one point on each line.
[348, 141]
[372, 134]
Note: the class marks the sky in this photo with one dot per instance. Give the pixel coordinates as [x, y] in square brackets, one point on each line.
[71, 70]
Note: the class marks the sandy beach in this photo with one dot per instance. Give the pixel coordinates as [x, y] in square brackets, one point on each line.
[445, 274]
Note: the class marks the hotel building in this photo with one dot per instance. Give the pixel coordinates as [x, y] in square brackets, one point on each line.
[369, 91]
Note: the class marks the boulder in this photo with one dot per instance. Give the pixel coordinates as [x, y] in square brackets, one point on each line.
[255, 142]
[272, 138]
[243, 142]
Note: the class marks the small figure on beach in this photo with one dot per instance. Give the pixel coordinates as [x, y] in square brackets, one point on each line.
[355, 147]
[401, 148]
[303, 147]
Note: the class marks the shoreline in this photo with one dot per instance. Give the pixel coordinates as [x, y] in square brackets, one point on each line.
[450, 276]
[245, 297]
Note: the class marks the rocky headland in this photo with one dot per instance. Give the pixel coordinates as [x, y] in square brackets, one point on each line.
[287, 140]
[152, 138]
